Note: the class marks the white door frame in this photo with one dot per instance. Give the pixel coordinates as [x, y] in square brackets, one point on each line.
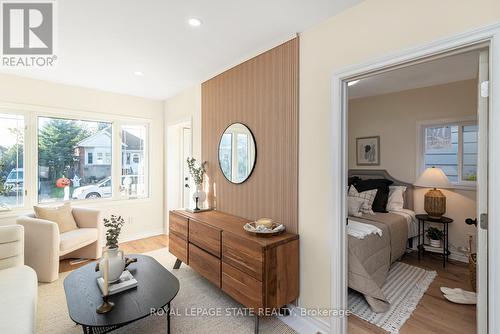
[338, 245]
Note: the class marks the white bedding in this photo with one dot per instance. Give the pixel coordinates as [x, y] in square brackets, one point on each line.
[361, 230]
[410, 219]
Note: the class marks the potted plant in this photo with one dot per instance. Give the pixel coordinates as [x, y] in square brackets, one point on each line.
[197, 173]
[112, 254]
[435, 236]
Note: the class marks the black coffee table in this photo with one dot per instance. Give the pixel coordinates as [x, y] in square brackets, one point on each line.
[155, 290]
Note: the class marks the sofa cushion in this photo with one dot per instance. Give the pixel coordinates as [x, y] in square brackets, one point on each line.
[61, 215]
[76, 239]
[18, 286]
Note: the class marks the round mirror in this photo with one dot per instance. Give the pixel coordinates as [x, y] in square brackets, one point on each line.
[237, 153]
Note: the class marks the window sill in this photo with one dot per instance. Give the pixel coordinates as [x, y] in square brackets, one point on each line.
[98, 203]
[464, 187]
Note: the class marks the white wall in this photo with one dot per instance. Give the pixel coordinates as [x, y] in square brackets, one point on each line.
[374, 28]
[179, 109]
[145, 216]
[394, 117]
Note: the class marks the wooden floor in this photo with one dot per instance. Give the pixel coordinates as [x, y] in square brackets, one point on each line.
[434, 314]
[136, 246]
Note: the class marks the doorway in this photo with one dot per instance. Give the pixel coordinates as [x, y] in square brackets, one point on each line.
[179, 148]
[340, 154]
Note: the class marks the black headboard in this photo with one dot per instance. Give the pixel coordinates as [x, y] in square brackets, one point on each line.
[382, 174]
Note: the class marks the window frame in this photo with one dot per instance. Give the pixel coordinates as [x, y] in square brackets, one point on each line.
[460, 122]
[31, 114]
[26, 165]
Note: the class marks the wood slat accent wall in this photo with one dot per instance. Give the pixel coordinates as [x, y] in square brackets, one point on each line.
[261, 93]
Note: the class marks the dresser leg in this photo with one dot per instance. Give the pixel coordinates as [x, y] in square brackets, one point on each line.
[177, 264]
[256, 329]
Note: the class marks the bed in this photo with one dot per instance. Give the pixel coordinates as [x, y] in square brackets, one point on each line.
[371, 257]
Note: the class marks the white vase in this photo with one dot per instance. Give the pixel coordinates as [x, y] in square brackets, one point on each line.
[199, 196]
[435, 243]
[116, 260]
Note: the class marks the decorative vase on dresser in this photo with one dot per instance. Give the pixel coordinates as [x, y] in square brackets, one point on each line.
[261, 273]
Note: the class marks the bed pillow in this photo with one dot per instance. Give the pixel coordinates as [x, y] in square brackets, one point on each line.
[396, 200]
[382, 185]
[354, 205]
[367, 196]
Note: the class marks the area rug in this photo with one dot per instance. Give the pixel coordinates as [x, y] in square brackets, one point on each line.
[195, 294]
[404, 287]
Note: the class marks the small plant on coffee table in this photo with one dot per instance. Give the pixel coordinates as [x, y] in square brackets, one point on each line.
[114, 228]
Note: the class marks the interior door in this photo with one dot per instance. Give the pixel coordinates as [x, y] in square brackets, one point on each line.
[186, 153]
[482, 194]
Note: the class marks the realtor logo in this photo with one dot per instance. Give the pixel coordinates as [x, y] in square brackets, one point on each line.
[28, 29]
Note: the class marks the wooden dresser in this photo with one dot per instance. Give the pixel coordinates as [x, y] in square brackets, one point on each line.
[258, 272]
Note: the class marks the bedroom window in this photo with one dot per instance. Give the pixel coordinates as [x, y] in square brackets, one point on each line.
[453, 148]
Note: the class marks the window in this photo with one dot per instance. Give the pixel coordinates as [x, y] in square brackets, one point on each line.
[11, 161]
[63, 171]
[243, 156]
[453, 148]
[134, 177]
[225, 154]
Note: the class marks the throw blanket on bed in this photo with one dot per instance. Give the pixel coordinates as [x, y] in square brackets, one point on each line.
[361, 230]
[371, 257]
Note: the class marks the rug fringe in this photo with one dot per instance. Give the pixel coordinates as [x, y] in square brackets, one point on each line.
[410, 304]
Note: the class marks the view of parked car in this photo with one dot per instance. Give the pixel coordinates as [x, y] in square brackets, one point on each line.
[98, 190]
[14, 181]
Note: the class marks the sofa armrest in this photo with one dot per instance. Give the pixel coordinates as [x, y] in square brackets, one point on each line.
[41, 251]
[87, 218]
[12, 242]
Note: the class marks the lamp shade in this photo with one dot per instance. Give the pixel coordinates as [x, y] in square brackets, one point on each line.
[433, 177]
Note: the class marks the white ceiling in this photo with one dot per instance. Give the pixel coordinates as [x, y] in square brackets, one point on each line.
[101, 43]
[449, 69]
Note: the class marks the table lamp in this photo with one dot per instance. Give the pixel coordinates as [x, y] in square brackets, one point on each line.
[434, 199]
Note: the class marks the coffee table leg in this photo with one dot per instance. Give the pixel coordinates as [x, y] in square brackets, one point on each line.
[256, 329]
[168, 317]
[177, 264]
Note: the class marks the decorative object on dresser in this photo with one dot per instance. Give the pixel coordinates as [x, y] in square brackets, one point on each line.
[368, 151]
[237, 153]
[264, 230]
[260, 273]
[197, 173]
[434, 199]
[156, 288]
[423, 247]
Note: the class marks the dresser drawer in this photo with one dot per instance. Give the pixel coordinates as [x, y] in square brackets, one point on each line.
[243, 254]
[206, 237]
[205, 264]
[242, 287]
[178, 224]
[178, 247]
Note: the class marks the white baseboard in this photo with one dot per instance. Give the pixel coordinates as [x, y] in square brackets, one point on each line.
[141, 235]
[304, 324]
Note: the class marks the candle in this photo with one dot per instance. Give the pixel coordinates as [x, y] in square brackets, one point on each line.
[105, 274]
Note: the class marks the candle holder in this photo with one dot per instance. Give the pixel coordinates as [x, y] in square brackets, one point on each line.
[106, 305]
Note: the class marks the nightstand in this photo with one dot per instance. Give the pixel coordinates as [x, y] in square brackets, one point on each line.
[422, 247]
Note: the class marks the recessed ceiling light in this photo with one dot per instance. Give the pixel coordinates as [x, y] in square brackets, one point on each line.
[139, 73]
[352, 83]
[194, 22]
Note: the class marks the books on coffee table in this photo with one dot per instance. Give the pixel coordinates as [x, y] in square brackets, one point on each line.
[125, 282]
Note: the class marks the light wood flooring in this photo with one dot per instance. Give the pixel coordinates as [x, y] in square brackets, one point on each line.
[434, 314]
[131, 247]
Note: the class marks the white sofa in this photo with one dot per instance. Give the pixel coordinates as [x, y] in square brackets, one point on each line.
[18, 284]
[45, 246]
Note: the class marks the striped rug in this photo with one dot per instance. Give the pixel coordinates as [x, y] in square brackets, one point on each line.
[404, 287]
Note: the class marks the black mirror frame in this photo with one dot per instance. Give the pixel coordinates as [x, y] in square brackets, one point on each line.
[255, 158]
